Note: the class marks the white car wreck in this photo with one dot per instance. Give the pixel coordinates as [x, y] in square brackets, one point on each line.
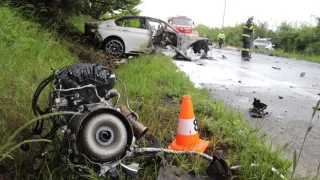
[128, 35]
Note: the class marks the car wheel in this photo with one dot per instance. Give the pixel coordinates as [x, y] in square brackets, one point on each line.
[114, 47]
[256, 47]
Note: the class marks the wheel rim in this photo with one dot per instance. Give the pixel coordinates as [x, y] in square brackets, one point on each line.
[115, 48]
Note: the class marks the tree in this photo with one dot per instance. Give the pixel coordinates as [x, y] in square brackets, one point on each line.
[94, 8]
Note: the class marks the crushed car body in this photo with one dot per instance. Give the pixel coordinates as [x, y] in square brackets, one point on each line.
[128, 35]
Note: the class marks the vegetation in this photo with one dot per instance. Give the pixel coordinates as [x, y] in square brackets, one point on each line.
[303, 40]
[156, 97]
[95, 8]
[294, 55]
[28, 53]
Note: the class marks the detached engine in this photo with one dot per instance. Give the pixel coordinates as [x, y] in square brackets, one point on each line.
[88, 127]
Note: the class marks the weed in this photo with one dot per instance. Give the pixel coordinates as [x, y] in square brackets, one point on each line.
[295, 55]
[154, 81]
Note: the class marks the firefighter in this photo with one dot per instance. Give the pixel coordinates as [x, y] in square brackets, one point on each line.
[221, 38]
[246, 38]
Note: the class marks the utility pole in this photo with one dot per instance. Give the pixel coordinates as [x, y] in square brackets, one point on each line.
[224, 11]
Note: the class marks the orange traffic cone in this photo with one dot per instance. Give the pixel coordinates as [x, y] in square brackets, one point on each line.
[188, 137]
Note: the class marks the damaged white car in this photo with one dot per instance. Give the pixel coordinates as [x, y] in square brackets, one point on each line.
[129, 35]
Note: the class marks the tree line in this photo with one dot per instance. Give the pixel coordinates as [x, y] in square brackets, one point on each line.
[289, 37]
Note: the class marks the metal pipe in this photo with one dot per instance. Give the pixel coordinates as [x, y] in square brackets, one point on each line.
[139, 129]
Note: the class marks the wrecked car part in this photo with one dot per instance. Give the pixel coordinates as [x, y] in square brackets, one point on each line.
[258, 109]
[219, 169]
[169, 172]
[224, 57]
[255, 165]
[156, 150]
[138, 129]
[115, 37]
[180, 54]
[99, 132]
[276, 68]
[302, 74]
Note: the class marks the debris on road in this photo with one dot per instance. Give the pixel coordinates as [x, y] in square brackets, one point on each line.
[276, 68]
[280, 97]
[258, 109]
[302, 74]
[239, 81]
[224, 57]
[319, 94]
[200, 64]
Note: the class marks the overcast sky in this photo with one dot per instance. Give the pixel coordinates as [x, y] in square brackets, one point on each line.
[210, 12]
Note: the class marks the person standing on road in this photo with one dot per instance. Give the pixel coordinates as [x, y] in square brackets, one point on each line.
[246, 38]
[221, 38]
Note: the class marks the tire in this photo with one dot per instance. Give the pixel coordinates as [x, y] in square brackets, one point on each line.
[114, 47]
[256, 47]
[104, 137]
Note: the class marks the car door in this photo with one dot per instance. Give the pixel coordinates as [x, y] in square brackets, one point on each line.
[261, 44]
[135, 34]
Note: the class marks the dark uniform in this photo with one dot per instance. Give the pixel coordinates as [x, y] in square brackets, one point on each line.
[246, 38]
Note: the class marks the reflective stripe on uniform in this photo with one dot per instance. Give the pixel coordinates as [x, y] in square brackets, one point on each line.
[246, 35]
[245, 49]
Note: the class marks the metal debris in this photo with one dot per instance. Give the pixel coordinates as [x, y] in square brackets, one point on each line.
[258, 109]
[302, 74]
[224, 57]
[280, 97]
[276, 68]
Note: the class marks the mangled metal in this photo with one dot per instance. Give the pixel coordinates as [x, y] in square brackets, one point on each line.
[94, 130]
[138, 34]
[258, 109]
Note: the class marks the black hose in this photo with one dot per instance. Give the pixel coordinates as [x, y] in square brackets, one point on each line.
[36, 110]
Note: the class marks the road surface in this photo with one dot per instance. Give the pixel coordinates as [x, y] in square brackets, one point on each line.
[290, 97]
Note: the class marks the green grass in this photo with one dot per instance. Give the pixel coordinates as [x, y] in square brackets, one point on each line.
[78, 21]
[27, 54]
[155, 90]
[295, 55]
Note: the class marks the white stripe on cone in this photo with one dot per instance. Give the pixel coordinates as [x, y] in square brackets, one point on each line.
[187, 127]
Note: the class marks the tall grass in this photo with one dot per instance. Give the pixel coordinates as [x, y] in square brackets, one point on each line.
[27, 54]
[155, 90]
[155, 85]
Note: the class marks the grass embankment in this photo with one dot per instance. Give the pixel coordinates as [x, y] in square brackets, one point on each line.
[295, 55]
[27, 54]
[155, 90]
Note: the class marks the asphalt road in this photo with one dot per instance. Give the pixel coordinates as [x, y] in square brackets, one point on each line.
[290, 97]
